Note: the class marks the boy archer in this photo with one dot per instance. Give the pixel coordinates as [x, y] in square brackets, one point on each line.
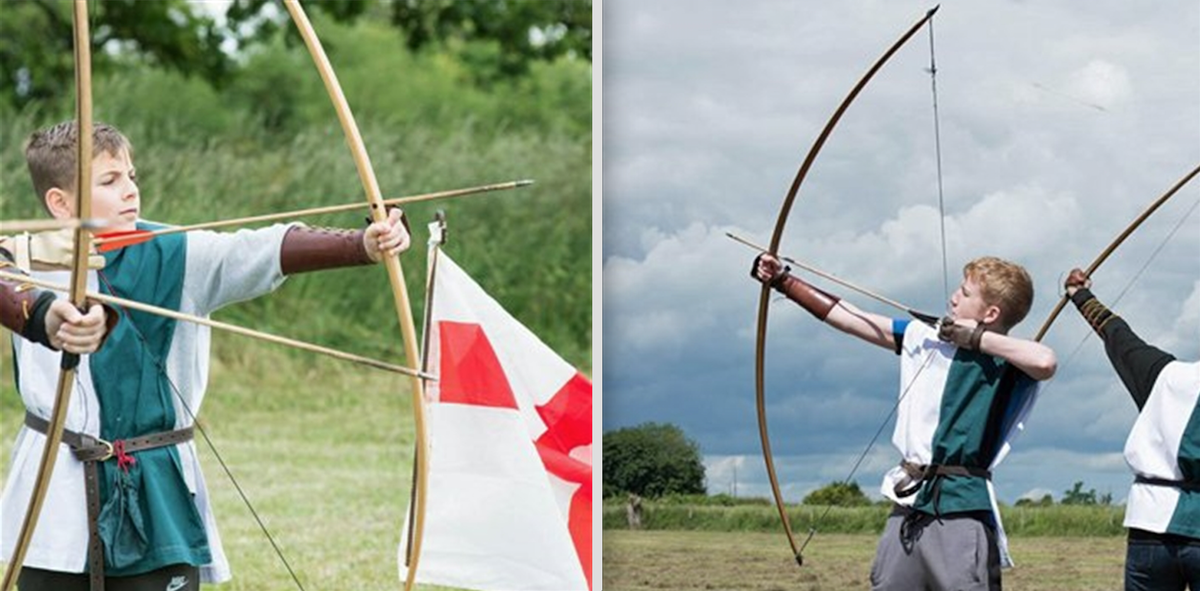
[140, 518]
[963, 388]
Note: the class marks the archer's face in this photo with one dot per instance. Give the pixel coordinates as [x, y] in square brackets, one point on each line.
[967, 302]
[115, 195]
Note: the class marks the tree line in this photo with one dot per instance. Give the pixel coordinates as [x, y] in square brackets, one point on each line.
[657, 460]
[498, 40]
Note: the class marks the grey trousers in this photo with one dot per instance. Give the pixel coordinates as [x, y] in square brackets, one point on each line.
[919, 552]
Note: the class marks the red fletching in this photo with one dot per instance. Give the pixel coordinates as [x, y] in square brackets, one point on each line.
[110, 241]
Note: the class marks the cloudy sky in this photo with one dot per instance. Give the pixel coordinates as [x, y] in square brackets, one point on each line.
[1060, 121]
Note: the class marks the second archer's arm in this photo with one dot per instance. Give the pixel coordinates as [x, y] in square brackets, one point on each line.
[1137, 363]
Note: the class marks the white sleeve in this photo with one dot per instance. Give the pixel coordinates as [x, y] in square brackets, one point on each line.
[225, 268]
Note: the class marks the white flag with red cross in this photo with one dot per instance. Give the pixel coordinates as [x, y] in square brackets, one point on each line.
[509, 504]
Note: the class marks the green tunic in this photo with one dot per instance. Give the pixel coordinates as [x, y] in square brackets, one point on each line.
[148, 518]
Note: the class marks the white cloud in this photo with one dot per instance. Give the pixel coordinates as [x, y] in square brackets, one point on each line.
[1101, 83]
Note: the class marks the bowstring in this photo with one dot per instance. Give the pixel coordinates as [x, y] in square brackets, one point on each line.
[204, 434]
[812, 531]
[937, 143]
[937, 135]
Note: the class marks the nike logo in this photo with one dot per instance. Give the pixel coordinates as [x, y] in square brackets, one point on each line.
[177, 583]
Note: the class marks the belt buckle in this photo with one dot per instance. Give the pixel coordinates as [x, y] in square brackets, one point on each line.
[109, 452]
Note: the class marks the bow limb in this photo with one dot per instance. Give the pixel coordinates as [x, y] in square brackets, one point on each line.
[765, 295]
[395, 273]
[83, 210]
[1112, 246]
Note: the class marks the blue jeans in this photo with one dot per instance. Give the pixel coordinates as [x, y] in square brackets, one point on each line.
[1162, 566]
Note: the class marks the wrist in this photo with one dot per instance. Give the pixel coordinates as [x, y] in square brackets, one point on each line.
[976, 337]
[1080, 296]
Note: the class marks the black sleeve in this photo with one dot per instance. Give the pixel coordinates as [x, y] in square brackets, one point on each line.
[35, 328]
[1136, 362]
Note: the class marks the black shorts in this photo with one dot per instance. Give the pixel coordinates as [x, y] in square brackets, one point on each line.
[176, 577]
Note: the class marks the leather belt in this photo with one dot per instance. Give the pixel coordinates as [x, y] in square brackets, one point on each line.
[1186, 485]
[919, 473]
[92, 450]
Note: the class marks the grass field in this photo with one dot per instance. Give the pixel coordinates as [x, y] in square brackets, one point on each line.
[687, 561]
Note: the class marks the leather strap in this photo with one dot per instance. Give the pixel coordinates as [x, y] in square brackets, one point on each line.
[1188, 485]
[16, 305]
[922, 472]
[92, 450]
[818, 303]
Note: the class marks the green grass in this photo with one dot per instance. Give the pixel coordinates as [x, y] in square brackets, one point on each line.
[1058, 520]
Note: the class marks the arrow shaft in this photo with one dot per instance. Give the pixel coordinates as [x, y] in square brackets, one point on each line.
[318, 211]
[225, 326]
[51, 224]
[829, 276]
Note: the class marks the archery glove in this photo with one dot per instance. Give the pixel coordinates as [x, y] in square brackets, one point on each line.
[962, 336]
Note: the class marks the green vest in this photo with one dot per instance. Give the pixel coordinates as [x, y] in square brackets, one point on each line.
[975, 402]
[148, 519]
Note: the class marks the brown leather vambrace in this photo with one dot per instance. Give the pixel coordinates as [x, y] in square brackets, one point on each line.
[816, 301]
[313, 249]
[23, 311]
[1094, 313]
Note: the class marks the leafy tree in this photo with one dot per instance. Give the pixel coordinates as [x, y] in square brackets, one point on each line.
[517, 31]
[651, 460]
[838, 494]
[36, 58]
[1077, 496]
[497, 39]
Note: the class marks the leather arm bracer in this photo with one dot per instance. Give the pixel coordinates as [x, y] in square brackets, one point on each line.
[818, 302]
[307, 249]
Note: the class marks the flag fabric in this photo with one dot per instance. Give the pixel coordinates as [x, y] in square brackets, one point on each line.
[509, 503]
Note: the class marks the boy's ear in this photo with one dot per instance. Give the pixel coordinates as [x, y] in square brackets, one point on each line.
[60, 203]
[991, 315]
